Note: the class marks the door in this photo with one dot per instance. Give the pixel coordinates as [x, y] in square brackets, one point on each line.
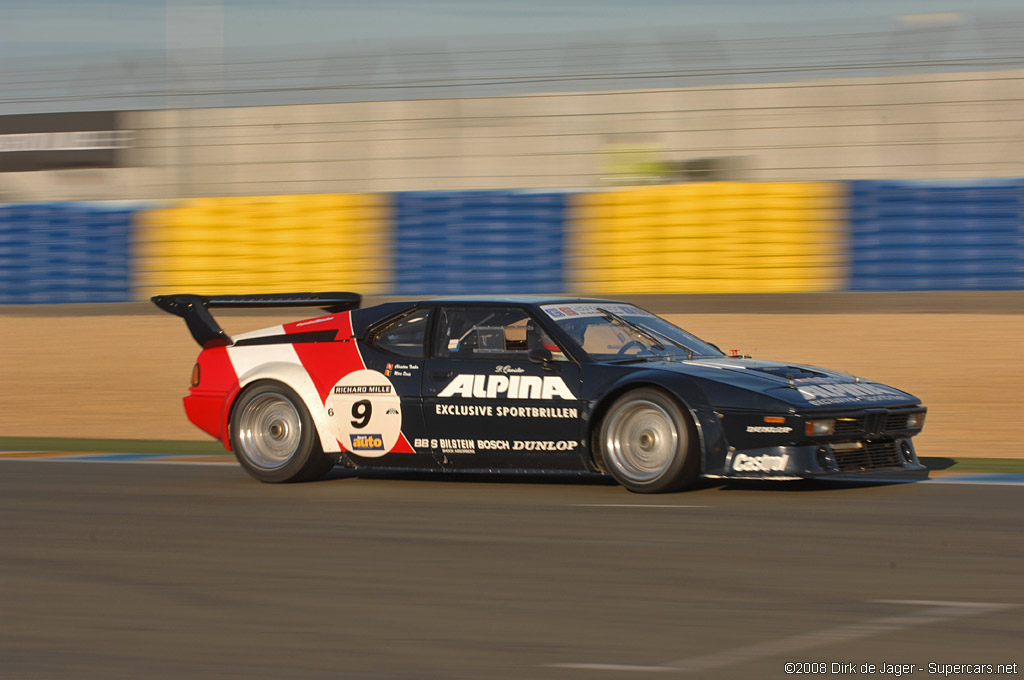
[487, 405]
[381, 409]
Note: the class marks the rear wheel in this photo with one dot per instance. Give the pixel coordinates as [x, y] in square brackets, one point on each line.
[273, 436]
[647, 442]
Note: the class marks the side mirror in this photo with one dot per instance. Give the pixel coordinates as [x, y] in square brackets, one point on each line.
[542, 356]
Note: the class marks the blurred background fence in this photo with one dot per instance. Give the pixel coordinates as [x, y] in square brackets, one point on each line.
[194, 67]
[784, 158]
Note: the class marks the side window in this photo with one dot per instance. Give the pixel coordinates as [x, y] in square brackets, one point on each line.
[486, 332]
[406, 336]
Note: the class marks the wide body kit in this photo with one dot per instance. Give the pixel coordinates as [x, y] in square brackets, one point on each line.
[514, 384]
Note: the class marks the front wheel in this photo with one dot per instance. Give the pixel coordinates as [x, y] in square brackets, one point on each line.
[273, 436]
[647, 442]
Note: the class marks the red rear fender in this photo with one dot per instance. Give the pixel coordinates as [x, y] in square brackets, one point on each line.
[208, 403]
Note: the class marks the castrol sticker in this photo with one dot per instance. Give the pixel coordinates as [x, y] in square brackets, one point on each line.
[365, 413]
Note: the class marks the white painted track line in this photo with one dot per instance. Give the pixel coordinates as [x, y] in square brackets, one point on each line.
[938, 610]
[631, 505]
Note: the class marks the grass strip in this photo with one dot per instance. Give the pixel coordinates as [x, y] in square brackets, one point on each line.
[1008, 465]
[110, 445]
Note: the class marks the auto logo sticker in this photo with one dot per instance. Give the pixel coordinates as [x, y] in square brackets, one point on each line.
[365, 413]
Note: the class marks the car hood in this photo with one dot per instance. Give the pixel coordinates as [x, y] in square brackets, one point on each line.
[795, 384]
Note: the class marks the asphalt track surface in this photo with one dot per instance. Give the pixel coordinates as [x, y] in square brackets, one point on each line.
[197, 571]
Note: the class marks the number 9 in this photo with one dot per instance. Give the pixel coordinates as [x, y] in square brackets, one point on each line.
[361, 411]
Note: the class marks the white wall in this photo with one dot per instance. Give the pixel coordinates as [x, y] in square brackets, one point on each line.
[906, 127]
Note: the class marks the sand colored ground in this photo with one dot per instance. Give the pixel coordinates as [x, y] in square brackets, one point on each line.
[123, 376]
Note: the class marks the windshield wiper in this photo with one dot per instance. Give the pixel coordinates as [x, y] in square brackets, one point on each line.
[639, 330]
[649, 334]
[689, 352]
[640, 359]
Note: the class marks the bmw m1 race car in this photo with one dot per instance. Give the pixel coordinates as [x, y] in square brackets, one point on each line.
[519, 384]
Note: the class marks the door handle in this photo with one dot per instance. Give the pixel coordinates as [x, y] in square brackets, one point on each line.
[441, 375]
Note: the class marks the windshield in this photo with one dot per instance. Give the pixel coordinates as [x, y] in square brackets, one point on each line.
[608, 331]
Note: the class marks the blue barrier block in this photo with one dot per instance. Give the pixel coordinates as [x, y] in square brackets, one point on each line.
[65, 252]
[961, 240]
[911, 190]
[933, 212]
[937, 255]
[949, 270]
[935, 218]
[963, 235]
[479, 241]
[911, 283]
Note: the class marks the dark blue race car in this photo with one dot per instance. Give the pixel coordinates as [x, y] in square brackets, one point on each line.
[511, 384]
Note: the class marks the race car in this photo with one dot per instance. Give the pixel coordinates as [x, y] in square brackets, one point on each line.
[517, 384]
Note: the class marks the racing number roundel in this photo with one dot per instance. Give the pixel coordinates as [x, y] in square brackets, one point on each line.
[365, 413]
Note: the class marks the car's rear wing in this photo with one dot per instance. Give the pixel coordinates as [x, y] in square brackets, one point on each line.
[208, 333]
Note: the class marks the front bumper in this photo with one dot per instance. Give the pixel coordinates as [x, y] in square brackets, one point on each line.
[877, 460]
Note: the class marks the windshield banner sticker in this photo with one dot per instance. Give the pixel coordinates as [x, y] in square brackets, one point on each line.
[579, 309]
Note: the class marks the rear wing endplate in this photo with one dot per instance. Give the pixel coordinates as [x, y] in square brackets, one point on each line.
[195, 309]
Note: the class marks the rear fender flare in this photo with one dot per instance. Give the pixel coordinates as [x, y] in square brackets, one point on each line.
[295, 377]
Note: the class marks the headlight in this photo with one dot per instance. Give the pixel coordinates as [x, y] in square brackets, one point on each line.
[915, 421]
[817, 428]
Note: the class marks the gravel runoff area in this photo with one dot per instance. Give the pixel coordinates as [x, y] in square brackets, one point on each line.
[119, 371]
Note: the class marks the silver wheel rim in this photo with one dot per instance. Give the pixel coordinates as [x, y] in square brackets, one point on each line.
[269, 430]
[641, 440]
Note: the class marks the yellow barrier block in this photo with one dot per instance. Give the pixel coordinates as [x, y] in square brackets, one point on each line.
[708, 237]
[253, 244]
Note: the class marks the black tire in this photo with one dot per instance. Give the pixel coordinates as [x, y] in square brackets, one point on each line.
[648, 443]
[273, 436]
